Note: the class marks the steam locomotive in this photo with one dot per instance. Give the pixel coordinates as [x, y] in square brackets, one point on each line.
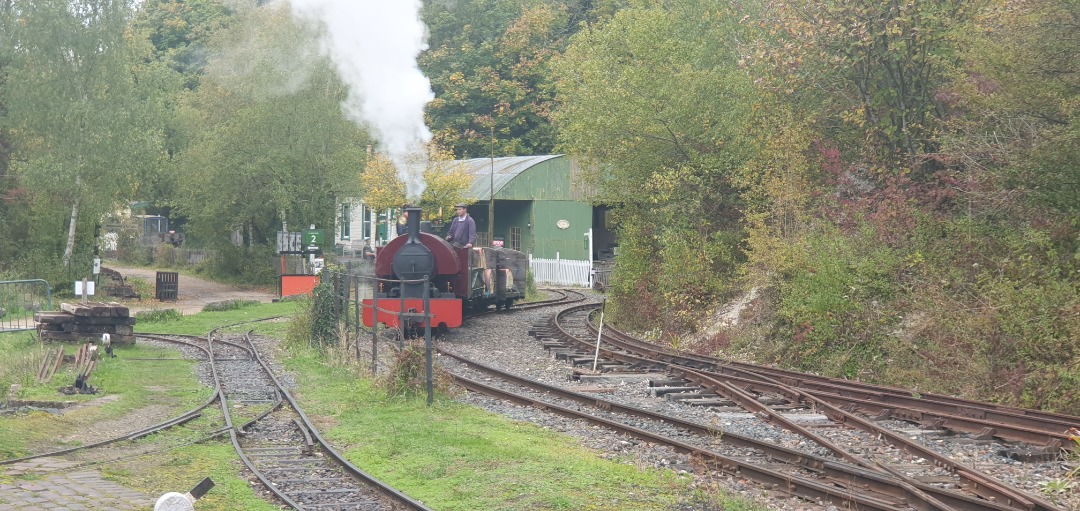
[459, 281]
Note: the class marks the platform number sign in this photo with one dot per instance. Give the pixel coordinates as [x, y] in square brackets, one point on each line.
[313, 237]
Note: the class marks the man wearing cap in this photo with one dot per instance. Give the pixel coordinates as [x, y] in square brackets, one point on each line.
[462, 228]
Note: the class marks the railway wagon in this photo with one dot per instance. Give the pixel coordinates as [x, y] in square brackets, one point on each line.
[460, 281]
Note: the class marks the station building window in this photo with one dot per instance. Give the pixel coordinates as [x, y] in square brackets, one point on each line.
[515, 238]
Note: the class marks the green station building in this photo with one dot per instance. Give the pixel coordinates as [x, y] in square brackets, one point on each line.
[540, 207]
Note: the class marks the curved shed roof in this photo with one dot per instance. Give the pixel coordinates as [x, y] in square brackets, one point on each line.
[498, 173]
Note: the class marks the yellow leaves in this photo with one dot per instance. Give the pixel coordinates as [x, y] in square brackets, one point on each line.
[382, 186]
[445, 182]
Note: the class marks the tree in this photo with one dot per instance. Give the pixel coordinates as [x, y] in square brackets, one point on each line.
[86, 139]
[180, 32]
[877, 68]
[489, 68]
[655, 100]
[445, 183]
[1019, 100]
[267, 141]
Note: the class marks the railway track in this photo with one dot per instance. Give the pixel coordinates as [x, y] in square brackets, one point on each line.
[886, 452]
[281, 446]
[812, 452]
[563, 297]
[813, 477]
[271, 434]
[1044, 431]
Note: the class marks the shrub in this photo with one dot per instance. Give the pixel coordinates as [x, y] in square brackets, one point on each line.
[832, 306]
[300, 324]
[228, 305]
[242, 265]
[158, 316]
[531, 293]
[324, 328]
[408, 373]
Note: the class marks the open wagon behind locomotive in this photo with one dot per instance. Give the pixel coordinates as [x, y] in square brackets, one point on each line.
[460, 281]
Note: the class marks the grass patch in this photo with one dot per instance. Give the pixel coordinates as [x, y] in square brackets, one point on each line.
[123, 386]
[158, 316]
[203, 322]
[229, 305]
[23, 356]
[456, 457]
[181, 469]
[141, 287]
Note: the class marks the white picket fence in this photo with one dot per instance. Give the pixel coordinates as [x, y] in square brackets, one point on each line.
[563, 272]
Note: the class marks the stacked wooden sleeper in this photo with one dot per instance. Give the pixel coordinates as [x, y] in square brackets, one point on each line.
[85, 322]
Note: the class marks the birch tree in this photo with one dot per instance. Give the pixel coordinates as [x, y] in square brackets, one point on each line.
[85, 140]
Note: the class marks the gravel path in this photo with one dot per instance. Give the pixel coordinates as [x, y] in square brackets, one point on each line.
[193, 292]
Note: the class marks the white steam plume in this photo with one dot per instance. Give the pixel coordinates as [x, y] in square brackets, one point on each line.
[374, 44]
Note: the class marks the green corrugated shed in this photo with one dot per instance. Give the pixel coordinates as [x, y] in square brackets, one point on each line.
[539, 208]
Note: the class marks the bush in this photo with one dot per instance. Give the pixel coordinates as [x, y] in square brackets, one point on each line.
[242, 265]
[408, 373]
[1011, 301]
[963, 307]
[228, 305]
[158, 316]
[832, 306]
[324, 328]
[531, 293]
[300, 324]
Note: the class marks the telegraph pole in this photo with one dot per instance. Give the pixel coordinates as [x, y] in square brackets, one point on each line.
[491, 199]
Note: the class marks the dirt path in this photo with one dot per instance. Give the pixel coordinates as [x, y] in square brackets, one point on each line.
[193, 292]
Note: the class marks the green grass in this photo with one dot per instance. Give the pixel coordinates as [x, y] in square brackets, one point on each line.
[203, 322]
[122, 386]
[158, 316]
[181, 469]
[455, 457]
[450, 456]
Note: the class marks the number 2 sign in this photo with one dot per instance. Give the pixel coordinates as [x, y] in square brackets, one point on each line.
[313, 238]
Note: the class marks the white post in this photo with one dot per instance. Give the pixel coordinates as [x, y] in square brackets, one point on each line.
[599, 332]
[311, 256]
[390, 223]
[589, 257]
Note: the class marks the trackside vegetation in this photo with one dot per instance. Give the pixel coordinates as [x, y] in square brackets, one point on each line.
[450, 456]
[894, 183]
[900, 203]
[454, 457]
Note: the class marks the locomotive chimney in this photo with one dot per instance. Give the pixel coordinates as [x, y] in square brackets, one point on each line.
[413, 221]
